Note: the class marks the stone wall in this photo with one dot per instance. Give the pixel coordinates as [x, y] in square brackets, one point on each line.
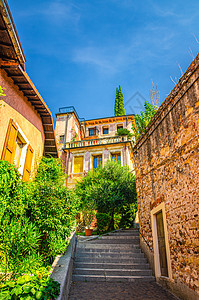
[167, 170]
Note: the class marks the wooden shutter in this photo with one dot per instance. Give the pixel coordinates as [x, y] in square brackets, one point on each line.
[10, 142]
[28, 163]
[78, 164]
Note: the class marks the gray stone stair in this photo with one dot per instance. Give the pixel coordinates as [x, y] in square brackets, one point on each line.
[113, 257]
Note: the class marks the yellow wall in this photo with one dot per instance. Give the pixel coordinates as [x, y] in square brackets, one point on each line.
[33, 135]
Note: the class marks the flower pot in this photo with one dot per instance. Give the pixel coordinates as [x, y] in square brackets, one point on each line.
[88, 231]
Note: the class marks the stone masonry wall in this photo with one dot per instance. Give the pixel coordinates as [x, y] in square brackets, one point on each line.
[167, 170]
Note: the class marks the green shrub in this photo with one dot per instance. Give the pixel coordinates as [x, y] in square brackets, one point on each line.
[52, 208]
[123, 132]
[143, 120]
[36, 218]
[39, 287]
[110, 188]
[19, 246]
[12, 196]
[103, 221]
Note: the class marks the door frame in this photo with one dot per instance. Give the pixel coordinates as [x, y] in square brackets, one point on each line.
[154, 211]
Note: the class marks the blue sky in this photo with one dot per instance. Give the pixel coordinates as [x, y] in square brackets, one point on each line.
[78, 51]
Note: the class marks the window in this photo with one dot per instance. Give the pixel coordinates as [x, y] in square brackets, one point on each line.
[78, 164]
[116, 157]
[119, 127]
[97, 161]
[61, 139]
[105, 130]
[92, 131]
[17, 151]
[28, 163]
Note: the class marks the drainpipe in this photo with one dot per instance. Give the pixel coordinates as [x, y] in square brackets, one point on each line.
[125, 162]
[67, 169]
[66, 127]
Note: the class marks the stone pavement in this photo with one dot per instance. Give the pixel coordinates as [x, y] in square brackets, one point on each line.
[118, 291]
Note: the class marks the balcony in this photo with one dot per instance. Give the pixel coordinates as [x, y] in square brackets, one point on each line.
[97, 142]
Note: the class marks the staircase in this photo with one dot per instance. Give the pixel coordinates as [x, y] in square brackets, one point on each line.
[113, 257]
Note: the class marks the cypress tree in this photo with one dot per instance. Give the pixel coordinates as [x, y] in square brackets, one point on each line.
[116, 102]
[121, 110]
[119, 102]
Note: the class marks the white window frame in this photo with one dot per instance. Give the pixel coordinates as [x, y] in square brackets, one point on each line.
[24, 149]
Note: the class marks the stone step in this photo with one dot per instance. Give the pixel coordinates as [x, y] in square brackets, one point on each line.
[130, 232]
[109, 255]
[119, 237]
[116, 241]
[107, 246]
[118, 252]
[112, 278]
[95, 265]
[113, 272]
[111, 260]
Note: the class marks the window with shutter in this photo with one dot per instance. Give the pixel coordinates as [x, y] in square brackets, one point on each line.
[28, 163]
[78, 164]
[10, 142]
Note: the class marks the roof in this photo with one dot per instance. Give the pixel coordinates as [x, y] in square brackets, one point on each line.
[110, 119]
[10, 46]
[12, 60]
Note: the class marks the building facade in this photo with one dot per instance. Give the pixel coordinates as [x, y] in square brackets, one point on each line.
[88, 144]
[26, 124]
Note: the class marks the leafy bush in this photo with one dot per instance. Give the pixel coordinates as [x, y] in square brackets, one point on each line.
[124, 132]
[19, 246]
[35, 218]
[12, 197]
[40, 287]
[103, 221]
[19, 239]
[143, 120]
[51, 207]
[110, 189]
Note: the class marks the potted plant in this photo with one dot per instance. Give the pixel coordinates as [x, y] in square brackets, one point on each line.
[88, 218]
[87, 204]
[124, 132]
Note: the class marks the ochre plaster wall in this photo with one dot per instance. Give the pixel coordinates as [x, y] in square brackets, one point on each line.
[15, 106]
[167, 170]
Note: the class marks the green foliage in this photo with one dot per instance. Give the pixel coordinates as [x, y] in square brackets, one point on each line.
[39, 287]
[50, 172]
[116, 103]
[103, 221]
[1, 91]
[110, 189]
[119, 103]
[143, 120]
[19, 246]
[123, 132]
[35, 218]
[51, 207]
[12, 199]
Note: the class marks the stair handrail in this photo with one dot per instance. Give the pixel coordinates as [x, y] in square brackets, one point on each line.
[145, 240]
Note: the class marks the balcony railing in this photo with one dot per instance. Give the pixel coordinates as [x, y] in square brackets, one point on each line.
[95, 142]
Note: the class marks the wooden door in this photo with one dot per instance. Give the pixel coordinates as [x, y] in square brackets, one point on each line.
[161, 245]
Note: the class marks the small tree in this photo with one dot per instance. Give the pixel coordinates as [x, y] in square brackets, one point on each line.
[113, 190]
[119, 102]
[116, 103]
[143, 120]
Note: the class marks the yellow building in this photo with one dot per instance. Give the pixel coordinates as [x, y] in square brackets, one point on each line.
[26, 124]
[88, 144]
